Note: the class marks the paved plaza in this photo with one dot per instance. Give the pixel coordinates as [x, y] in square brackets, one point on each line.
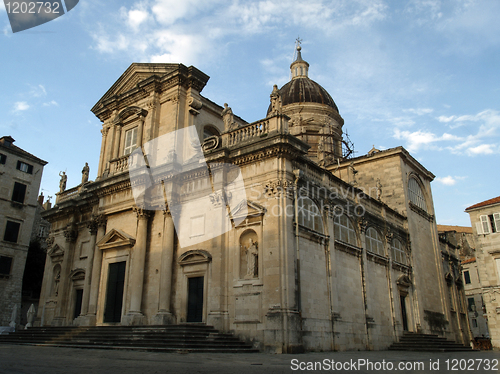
[34, 360]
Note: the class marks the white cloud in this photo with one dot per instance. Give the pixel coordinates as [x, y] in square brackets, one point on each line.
[136, 17]
[447, 181]
[204, 24]
[38, 91]
[419, 111]
[445, 119]
[483, 149]
[421, 139]
[21, 106]
[51, 103]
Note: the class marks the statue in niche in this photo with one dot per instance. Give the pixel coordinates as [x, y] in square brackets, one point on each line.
[252, 253]
[62, 182]
[85, 173]
[57, 279]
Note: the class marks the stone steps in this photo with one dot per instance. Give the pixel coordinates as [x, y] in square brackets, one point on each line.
[189, 338]
[427, 342]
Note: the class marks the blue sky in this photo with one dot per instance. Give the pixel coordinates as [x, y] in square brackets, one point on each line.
[421, 74]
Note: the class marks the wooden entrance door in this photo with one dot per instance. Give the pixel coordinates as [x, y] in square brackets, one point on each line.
[114, 292]
[195, 299]
[403, 312]
[78, 303]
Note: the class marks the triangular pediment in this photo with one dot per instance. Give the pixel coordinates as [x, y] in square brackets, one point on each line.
[252, 210]
[56, 251]
[136, 73]
[116, 238]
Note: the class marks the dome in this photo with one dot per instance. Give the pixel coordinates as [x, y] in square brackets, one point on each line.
[301, 89]
[305, 90]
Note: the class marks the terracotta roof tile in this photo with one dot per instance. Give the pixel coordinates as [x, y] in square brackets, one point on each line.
[444, 228]
[495, 200]
[473, 259]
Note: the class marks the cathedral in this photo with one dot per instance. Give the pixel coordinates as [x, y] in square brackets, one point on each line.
[270, 230]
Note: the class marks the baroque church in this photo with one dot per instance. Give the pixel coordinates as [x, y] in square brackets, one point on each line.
[270, 230]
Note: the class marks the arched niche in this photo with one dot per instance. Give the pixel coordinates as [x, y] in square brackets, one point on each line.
[249, 255]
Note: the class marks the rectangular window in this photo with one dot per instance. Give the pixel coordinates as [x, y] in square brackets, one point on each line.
[11, 231]
[19, 192]
[492, 223]
[5, 265]
[496, 221]
[467, 277]
[130, 141]
[485, 224]
[471, 305]
[27, 168]
[3, 158]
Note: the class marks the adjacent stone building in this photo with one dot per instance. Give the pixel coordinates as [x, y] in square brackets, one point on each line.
[485, 220]
[265, 229]
[20, 177]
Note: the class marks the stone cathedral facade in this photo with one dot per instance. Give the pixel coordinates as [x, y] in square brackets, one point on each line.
[279, 236]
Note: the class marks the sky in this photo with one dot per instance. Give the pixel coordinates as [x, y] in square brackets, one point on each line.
[423, 74]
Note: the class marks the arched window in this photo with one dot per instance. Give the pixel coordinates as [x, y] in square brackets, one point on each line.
[416, 194]
[309, 214]
[373, 242]
[398, 253]
[209, 131]
[344, 231]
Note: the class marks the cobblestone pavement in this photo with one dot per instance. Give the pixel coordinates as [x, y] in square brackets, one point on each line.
[34, 360]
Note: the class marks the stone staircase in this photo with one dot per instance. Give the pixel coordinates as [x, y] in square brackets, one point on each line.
[427, 342]
[170, 338]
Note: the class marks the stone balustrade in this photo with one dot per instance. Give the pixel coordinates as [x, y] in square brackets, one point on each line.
[118, 165]
[67, 195]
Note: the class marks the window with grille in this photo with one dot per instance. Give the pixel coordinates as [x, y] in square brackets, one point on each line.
[344, 231]
[309, 214]
[416, 194]
[398, 252]
[373, 242]
[130, 141]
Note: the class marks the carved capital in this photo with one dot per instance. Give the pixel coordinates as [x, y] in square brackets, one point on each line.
[277, 187]
[389, 236]
[142, 213]
[220, 197]
[95, 222]
[362, 224]
[70, 233]
[49, 240]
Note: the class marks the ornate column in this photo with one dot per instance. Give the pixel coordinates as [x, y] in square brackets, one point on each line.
[140, 130]
[118, 132]
[71, 233]
[164, 315]
[137, 262]
[102, 157]
[95, 271]
[93, 226]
